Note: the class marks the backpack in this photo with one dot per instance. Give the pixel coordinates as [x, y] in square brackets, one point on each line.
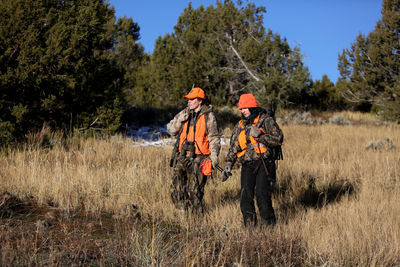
[277, 150]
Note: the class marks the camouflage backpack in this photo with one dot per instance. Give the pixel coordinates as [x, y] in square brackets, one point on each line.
[277, 150]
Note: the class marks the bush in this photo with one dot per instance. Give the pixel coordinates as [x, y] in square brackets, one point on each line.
[149, 116]
[339, 120]
[6, 133]
[227, 117]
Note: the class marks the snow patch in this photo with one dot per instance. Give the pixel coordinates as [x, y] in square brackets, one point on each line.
[154, 136]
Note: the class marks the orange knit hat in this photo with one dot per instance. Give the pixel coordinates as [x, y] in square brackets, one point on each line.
[196, 92]
[247, 101]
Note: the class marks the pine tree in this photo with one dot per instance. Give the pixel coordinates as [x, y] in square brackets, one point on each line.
[370, 68]
[56, 66]
[326, 95]
[127, 54]
[226, 50]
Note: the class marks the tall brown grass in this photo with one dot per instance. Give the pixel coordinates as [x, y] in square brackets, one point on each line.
[336, 202]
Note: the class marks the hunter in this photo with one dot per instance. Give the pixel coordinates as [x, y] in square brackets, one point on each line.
[252, 144]
[196, 151]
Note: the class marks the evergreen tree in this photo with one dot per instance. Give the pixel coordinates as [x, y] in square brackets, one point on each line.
[127, 54]
[55, 65]
[370, 68]
[225, 50]
[326, 96]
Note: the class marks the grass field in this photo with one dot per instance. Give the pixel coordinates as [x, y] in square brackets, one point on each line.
[106, 202]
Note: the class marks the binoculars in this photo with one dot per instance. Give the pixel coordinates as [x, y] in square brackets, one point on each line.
[188, 146]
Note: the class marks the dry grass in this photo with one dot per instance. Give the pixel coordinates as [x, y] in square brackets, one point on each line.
[358, 116]
[337, 205]
[361, 228]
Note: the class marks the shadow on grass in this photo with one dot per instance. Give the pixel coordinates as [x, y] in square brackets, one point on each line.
[333, 192]
[232, 195]
[291, 199]
[10, 205]
[306, 195]
[41, 235]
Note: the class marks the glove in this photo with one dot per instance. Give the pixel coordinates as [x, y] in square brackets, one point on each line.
[254, 131]
[225, 175]
[214, 160]
[183, 116]
[227, 172]
[228, 168]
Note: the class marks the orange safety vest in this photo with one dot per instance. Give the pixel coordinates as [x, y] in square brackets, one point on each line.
[199, 137]
[257, 146]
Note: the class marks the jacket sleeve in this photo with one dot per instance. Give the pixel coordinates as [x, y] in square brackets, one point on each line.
[175, 125]
[273, 135]
[214, 137]
[234, 147]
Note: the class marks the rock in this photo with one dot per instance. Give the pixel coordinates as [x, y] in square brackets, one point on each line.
[380, 145]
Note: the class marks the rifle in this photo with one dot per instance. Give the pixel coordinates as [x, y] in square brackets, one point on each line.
[172, 161]
[225, 175]
[175, 151]
[272, 109]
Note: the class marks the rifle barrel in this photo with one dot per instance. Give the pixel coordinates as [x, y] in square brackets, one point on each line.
[219, 168]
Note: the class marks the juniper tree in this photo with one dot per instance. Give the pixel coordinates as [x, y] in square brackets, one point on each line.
[225, 49]
[370, 68]
[55, 65]
[326, 95]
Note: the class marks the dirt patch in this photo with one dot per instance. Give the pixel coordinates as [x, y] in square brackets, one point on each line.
[46, 235]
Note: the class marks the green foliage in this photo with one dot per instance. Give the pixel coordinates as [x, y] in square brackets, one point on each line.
[326, 95]
[392, 109]
[110, 116]
[370, 68]
[6, 133]
[19, 111]
[227, 117]
[225, 50]
[127, 54]
[60, 63]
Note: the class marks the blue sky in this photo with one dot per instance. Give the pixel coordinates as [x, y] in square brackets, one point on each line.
[320, 28]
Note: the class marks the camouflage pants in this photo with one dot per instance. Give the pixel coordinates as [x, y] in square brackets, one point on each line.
[188, 187]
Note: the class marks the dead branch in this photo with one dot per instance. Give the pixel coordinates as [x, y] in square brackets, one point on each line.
[244, 64]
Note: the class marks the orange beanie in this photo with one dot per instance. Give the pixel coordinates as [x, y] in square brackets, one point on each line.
[247, 101]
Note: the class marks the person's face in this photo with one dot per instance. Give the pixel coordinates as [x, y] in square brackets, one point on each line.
[246, 112]
[194, 104]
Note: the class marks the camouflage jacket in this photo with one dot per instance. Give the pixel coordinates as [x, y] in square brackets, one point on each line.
[175, 126]
[273, 137]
